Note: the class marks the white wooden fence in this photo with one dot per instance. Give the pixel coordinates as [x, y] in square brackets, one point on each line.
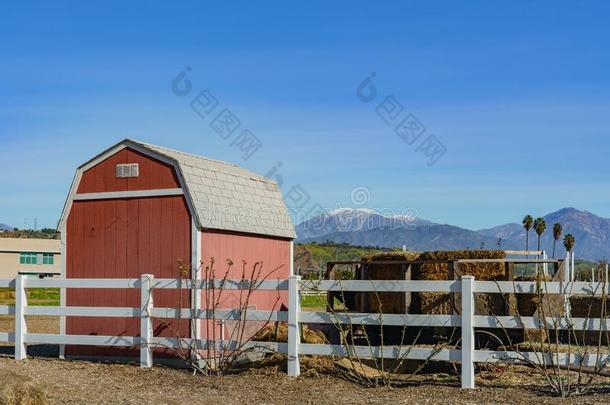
[467, 321]
[146, 313]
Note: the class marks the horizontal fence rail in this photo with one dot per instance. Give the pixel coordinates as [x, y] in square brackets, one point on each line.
[380, 286]
[467, 321]
[505, 287]
[184, 284]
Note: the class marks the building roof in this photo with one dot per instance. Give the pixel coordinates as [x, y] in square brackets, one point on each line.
[224, 196]
[18, 245]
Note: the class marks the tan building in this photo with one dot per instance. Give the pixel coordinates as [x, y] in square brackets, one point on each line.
[29, 256]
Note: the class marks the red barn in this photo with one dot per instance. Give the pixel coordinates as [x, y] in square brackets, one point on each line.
[141, 209]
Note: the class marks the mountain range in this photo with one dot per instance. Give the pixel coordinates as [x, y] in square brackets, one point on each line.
[5, 227]
[364, 227]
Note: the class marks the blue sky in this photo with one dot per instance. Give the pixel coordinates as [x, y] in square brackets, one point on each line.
[518, 94]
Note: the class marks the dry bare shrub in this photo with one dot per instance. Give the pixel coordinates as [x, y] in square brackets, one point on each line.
[213, 353]
[16, 389]
[558, 338]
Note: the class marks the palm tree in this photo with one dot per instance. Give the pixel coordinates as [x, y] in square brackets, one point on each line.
[569, 241]
[539, 227]
[528, 221]
[557, 230]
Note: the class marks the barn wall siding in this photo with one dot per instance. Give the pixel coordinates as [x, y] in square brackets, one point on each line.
[153, 174]
[244, 251]
[124, 238]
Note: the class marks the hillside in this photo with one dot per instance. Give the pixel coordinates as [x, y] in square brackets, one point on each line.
[424, 238]
[31, 234]
[592, 233]
[367, 228]
[316, 255]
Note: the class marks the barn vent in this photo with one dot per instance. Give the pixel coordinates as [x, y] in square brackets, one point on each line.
[128, 170]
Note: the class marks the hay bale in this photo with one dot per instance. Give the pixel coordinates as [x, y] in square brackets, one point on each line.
[583, 306]
[536, 336]
[481, 271]
[384, 302]
[391, 256]
[439, 303]
[433, 303]
[16, 389]
[279, 333]
[527, 304]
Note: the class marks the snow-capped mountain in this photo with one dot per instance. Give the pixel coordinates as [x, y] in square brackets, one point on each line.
[354, 220]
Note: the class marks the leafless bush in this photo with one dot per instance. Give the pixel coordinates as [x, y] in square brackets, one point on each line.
[377, 367]
[218, 352]
[558, 348]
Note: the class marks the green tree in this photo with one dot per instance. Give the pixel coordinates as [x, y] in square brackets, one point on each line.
[569, 241]
[539, 227]
[557, 230]
[528, 221]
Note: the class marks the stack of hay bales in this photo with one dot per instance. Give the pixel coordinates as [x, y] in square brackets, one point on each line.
[385, 302]
[440, 303]
[431, 302]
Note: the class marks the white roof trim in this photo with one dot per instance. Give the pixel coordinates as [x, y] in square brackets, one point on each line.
[128, 194]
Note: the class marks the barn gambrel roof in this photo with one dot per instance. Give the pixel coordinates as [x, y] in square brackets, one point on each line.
[222, 195]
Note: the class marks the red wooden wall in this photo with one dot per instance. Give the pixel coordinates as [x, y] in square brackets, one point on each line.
[153, 174]
[124, 238]
[244, 251]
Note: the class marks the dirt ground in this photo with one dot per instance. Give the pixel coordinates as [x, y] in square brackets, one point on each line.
[85, 382]
[35, 324]
[80, 382]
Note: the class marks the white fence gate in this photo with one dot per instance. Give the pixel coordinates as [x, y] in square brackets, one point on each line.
[467, 356]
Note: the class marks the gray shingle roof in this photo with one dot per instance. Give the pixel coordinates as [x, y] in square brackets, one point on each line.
[228, 197]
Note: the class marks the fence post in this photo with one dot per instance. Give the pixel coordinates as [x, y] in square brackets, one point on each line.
[467, 332]
[20, 325]
[294, 338]
[545, 266]
[573, 268]
[146, 328]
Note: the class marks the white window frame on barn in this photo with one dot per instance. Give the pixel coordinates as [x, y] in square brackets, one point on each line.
[127, 170]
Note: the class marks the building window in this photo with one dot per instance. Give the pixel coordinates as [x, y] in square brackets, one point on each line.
[28, 258]
[36, 258]
[47, 258]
